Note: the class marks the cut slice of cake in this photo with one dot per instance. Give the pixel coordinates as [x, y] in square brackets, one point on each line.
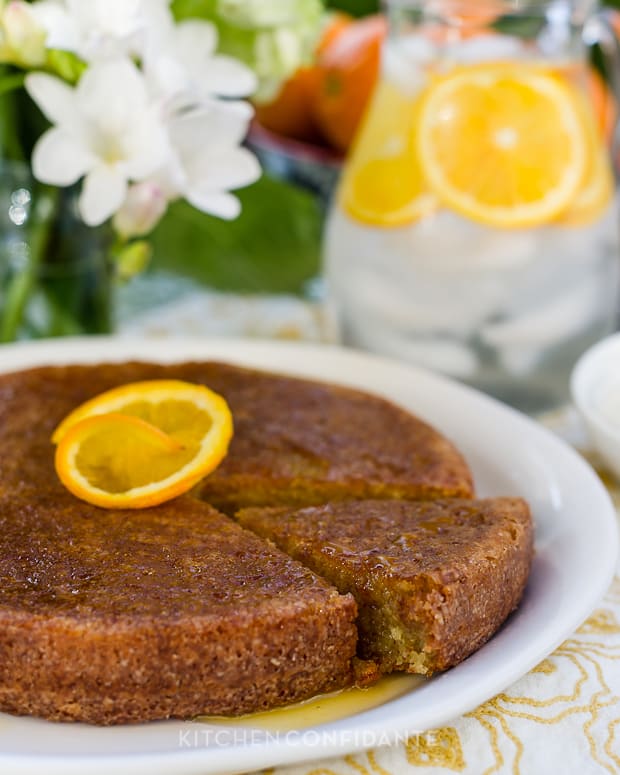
[432, 580]
[127, 616]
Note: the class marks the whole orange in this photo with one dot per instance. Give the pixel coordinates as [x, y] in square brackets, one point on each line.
[348, 68]
[291, 112]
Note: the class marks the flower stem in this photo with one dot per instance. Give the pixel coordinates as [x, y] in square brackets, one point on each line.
[10, 141]
[21, 284]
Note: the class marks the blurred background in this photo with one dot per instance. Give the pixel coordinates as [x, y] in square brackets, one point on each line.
[504, 299]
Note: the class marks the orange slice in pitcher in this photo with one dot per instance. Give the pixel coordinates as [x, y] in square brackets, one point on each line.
[386, 192]
[597, 188]
[594, 195]
[503, 143]
[383, 184]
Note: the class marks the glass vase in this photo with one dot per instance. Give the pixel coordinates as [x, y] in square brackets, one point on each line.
[55, 272]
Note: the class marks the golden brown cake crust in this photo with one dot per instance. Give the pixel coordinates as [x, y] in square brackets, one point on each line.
[433, 580]
[296, 441]
[125, 616]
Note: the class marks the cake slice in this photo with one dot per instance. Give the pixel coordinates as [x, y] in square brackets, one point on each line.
[127, 616]
[432, 580]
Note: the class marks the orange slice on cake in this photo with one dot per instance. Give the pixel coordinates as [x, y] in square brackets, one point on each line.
[143, 443]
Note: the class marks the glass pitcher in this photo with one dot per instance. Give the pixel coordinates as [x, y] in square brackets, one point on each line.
[475, 229]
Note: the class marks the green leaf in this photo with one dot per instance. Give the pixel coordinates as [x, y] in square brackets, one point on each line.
[273, 247]
[11, 146]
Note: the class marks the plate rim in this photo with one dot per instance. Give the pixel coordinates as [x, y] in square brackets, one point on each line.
[236, 759]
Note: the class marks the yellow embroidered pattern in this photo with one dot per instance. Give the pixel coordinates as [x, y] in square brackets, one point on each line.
[436, 748]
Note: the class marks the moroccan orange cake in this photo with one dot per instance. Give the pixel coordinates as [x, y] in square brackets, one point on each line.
[111, 616]
[433, 580]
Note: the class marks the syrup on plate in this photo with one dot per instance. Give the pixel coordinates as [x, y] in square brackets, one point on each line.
[324, 708]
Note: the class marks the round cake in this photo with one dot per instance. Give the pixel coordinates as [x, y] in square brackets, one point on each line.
[110, 616]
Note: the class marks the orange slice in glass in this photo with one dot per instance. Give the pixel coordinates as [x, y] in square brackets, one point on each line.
[143, 443]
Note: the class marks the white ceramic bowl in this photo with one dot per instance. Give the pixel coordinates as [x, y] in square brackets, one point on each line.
[595, 387]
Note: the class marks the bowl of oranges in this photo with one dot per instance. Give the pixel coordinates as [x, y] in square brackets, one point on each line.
[304, 132]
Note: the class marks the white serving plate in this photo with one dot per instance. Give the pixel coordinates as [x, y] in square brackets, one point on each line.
[576, 555]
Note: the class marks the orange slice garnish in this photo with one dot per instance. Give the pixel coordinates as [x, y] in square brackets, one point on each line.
[143, 443]
[503, 143]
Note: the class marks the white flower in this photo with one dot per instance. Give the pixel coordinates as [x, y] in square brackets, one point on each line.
[183, 60]
[207, 161]
[204, 164]
[104, 129]
[141, 211]
[142, 137]
[95, 29]
[107, 20]
[22, 37]
[62, 29]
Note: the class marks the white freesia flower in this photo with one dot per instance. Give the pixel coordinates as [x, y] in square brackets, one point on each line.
[107, 20]
[141, 211]
[112, 27]
[207, 161]
[204, 164]
[96, 29]
[62, 30]
[141, 135]
[105, 129]
[182, 59]
[22, 37]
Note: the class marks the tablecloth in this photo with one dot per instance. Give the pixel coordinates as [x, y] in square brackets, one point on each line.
[562, 718]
